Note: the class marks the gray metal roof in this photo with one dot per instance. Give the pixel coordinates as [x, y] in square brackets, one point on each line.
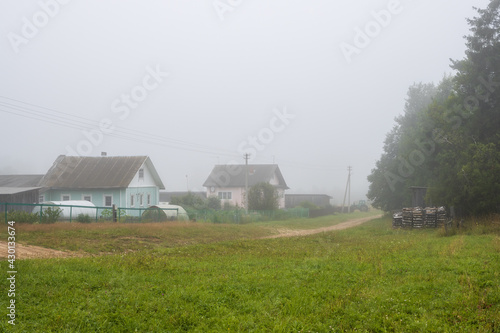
[96, 172]
[20, 180]
[234, 175]
[15, 190]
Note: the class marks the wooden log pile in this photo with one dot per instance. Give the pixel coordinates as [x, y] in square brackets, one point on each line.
[441, 217]
[431, 217]
[417, 217]
[397, 220]
[407, 218]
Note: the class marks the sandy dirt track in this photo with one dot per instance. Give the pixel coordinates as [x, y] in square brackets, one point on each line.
[37, 252]
[340, 226]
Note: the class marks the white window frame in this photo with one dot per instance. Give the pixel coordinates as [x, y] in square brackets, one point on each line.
[132, 201]
[226, 195]
[104, 200]
[87, 195]
[65, 195]
[141, 174]
[141, 200]
[148, 199]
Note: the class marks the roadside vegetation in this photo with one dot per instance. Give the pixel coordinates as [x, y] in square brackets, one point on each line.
[371, 278]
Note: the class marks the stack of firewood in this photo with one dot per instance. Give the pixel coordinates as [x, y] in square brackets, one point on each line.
[397, 220]
[407, 218]
[418, 218]
[430, 217]
[441, 216]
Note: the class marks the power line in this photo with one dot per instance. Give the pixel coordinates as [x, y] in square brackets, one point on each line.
[40, 113]
[77, 122]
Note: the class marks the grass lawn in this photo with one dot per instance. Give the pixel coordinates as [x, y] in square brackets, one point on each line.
[98, 238]
[366, 279]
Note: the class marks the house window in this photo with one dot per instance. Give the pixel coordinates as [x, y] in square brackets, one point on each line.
[65, 197]
[41, 198]
[141, 174]
[140, 200]
[149, 199]
[131, 200]
[225, 195]
[87, 197]
[108, 200]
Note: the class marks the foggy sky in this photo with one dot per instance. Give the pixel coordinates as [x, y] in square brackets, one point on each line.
[197, 83]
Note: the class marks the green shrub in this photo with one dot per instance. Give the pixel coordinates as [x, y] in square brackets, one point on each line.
[84, 218]
[23, 217]
[50, 215]
[107, 214]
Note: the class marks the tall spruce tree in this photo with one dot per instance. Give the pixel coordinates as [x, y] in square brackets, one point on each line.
[450, 144]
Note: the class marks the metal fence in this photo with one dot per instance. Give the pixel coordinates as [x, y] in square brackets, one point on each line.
[50, 213]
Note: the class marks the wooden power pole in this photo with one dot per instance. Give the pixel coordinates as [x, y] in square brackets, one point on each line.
[347, 192]
[246, 156]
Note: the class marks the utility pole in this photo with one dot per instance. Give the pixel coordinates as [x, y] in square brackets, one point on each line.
[347, 192]
[246, 156]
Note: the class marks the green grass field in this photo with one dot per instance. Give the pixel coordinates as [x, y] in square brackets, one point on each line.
[366, 279]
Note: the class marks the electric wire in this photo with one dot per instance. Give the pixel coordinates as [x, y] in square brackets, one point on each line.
[82, 123]
[59, 118]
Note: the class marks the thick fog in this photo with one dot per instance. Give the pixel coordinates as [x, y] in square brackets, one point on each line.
[312, 86]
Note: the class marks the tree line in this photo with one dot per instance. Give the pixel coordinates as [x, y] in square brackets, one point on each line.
[448, 137]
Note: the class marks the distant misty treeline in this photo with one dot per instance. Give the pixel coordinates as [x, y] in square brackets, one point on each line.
[448, 138]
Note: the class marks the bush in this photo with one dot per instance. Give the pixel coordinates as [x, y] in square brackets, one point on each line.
[23, 217]
[50, 215]
[83, 218]
[107, 214]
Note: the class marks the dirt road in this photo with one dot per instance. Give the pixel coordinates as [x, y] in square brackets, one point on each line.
[344, 225]
[37, 252]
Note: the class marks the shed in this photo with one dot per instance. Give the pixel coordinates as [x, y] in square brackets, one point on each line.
[164, 212]
[70, 209]
[18, 195]
[418, 196]
[294, 200]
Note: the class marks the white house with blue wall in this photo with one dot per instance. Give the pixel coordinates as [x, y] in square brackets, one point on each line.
[124, 181]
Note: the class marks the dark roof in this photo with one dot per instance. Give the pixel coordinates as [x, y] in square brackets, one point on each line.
[96, 172]
[234, 175]
[20, 180]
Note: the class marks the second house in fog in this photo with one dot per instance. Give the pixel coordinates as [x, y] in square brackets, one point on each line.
[227, 182]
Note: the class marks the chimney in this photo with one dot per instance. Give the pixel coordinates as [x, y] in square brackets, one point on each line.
[104, 154]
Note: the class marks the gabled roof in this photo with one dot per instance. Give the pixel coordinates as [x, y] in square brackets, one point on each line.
[74, 172]
[20, 180]
[234, 175]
